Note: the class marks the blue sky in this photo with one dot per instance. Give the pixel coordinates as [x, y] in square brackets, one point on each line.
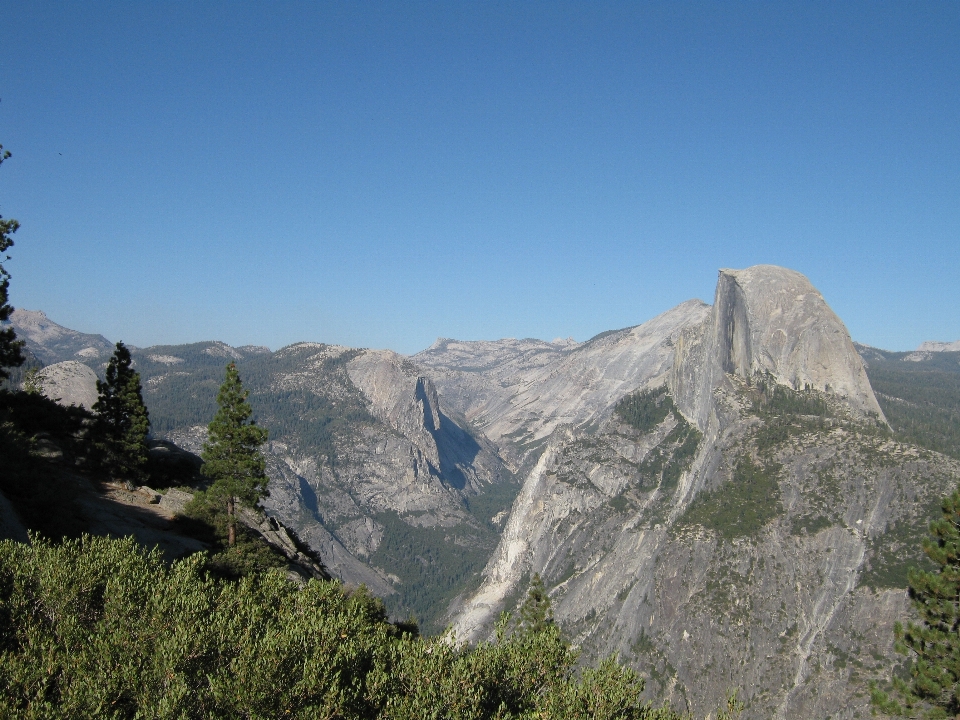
[379, 175]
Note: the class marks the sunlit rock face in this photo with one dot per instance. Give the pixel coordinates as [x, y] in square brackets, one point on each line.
[934, 346]
[69, 383]
[775, 606]
[518, 392]
[768, 319]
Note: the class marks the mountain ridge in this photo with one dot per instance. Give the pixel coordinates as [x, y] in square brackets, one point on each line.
[736, 537]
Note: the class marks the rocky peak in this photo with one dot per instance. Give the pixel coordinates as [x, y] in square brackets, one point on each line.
[400, 395]
[52, 343]
[768, 319]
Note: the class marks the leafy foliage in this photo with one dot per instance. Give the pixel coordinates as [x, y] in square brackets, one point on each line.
[770, 398]
[433, 562]
[205, 518]
[122, 422]
[644, 410]
[666, 462]
[102, 629]
[535, 612]
[932, 689]
[11, 354]
[896, 552]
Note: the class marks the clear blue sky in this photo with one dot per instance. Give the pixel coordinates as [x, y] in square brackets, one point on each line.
[382, 174]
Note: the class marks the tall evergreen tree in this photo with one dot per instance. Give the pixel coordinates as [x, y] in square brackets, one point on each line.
[933, 689]
[231, 455]
[122, 421]
[536, 613]
[10, 353]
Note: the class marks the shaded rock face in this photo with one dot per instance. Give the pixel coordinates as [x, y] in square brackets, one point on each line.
[69, 383]
[763, 561]
[11, 528]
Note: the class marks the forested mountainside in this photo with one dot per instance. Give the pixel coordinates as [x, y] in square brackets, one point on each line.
[920, 395]
[718, 494]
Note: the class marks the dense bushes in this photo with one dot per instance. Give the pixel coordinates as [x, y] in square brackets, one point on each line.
[101, 628]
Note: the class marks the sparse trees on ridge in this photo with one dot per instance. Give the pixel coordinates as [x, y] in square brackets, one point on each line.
[10, 348]
[231, 456]
[122, 421]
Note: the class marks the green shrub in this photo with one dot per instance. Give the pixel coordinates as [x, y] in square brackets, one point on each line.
[100, 628]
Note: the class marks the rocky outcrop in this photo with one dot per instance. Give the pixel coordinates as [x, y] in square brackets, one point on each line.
[399, 396]
[69, 383]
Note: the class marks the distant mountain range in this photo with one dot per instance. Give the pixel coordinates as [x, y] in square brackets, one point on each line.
[726, 495]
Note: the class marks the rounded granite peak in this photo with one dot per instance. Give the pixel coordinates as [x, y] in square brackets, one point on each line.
[769, 319]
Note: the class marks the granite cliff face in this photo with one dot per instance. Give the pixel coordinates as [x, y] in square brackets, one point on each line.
[766, 558]
[768, 319]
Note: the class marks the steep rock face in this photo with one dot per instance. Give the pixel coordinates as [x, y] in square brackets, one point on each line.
[753, 562]
[69, 383]
[53, 343]
[519, 392]
[768, 319]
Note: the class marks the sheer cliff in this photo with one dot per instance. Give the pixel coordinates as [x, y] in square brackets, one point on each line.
[755, 536]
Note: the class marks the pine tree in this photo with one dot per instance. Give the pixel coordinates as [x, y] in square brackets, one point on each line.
[231, 455]
[536, 613]
[933, 689]
[10, 353]
[122, 421]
